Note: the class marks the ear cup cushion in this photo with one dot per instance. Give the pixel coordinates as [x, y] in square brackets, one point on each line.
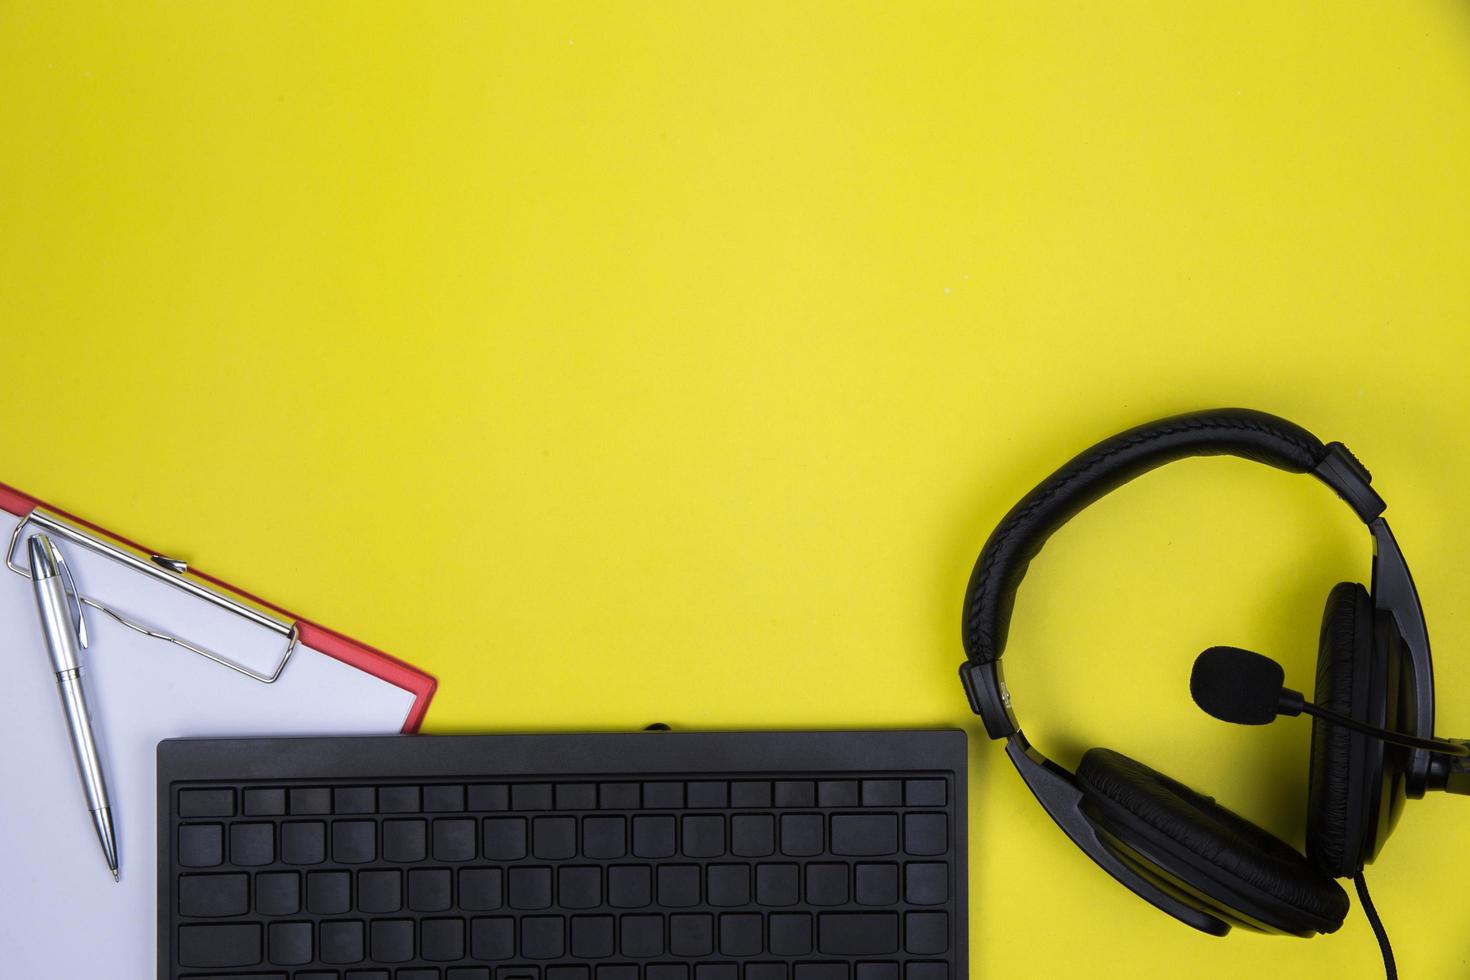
[1241, 856]
[1334, 790]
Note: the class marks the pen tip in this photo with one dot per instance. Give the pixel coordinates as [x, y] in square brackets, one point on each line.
[114, 875]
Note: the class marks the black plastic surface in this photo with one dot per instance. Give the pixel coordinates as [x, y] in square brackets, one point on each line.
[646, 856]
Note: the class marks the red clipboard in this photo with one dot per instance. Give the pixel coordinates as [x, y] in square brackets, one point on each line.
[335, 645]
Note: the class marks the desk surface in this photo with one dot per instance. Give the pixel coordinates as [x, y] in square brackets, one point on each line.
[698, 351]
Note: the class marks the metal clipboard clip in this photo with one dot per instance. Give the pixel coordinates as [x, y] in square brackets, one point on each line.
[170, 570]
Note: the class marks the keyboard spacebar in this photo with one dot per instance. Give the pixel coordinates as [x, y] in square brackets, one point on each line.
[857, 933]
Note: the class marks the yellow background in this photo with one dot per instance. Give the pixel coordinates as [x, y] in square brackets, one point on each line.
[650, 361]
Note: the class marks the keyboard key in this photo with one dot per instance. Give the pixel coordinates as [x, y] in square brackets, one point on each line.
[926, 933]
[444, 799]
[454, 839]
[795, 793]
[579, 887]
[428, 889]
[554, 838]
[220, 945]
[857, 933]
[489, 796]
[342, 942]
[882, 792]
[691, 935]
[604, 838]
[740, 935]
[876, 884]
[441, 940]
[750, 794]
[278, 893]
[263, 802]
[505, 838]
[837, 792]
[568, 973]
[310, 800]
[201, 845]
[354, 841]
[531, 797]
[791, 934]
[619, 796]
[391, 940]
[404, 841]
[418, 975]
[252, 844]
[926, 883]
[367, 975]
[303, 842]
[752, 835]
[379, 891]
[728, 885]
[801, 834]
[706, 795]
[290, 943]
[876, 971]
[354, 799]
[629, 886]
[826, 884]
[543, 937]
[864, 834]
[206, 803]
[927, 971]
[678, 885]
[776, 885]
[819, 971]
[716, 971]
[663, 796]
[617, 972]
[653, 836]
[704, 836]
[493, 938]
[666, 971]
[530, 888]
[926, 833]
[576, 796]
[208, 896]
[328, 892]
[925, 792]
[467, 973]
[479, 889]
[642, 935]
[592, 936]
[399, 799]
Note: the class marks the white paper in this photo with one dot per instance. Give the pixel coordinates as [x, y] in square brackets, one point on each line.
[61, 914]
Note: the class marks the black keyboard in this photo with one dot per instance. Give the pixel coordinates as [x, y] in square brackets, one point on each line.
[649, 856]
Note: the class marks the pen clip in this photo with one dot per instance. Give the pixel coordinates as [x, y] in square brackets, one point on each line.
[74, 600]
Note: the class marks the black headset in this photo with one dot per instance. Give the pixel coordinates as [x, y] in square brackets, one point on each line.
[1174, 847]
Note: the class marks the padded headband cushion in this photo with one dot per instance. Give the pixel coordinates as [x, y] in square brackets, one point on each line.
[1095, 472]
[1335, 797]
[1241, 857]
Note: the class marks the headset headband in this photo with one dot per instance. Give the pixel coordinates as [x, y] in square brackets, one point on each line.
[1093, 473]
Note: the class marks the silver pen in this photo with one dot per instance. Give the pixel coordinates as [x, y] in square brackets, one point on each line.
[55, 596]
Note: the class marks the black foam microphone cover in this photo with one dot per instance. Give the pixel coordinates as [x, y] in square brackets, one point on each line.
[1237, 685]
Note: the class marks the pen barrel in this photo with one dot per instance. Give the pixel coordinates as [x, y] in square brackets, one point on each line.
[56, 623]
[84, 746]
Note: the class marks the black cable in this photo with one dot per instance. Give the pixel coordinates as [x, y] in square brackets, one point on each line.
[1389, 968]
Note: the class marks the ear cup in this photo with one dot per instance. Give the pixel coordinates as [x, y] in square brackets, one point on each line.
[1339, 788]
[1211, 850]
